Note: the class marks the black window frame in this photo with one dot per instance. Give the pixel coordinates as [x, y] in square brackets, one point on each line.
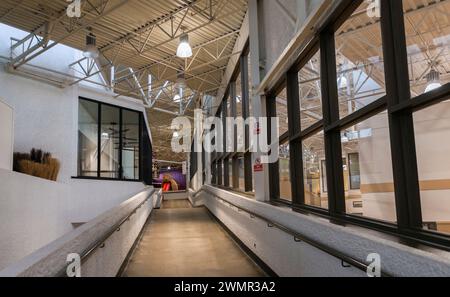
[223, 180]
[400, 108]
[145, 147]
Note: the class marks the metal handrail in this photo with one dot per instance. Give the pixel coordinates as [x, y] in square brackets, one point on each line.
[101, 242]
[346, 260]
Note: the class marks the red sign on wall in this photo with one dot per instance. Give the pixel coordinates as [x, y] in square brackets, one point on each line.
[257, 130]
[258, 167]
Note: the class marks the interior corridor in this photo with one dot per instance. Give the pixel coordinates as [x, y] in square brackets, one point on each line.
[181, 241]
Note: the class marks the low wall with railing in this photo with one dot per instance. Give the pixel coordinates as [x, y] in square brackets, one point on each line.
[195, 198]
[102, 244]
[293, 244]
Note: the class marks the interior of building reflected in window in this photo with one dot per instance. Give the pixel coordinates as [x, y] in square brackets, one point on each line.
[315, 181]
[285, 173]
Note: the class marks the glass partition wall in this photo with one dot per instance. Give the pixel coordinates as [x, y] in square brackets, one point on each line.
[111, 143]
[364, 122]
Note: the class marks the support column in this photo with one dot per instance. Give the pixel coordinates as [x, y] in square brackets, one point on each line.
[261, 179]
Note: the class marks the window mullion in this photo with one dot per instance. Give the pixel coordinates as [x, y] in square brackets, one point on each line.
[120, 143]
[295, 146]
[274, 174]
[246, 115]
[406, 178]
[99, 140]
[330, 106]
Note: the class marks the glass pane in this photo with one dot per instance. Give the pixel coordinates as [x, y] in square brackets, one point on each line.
[87, 138]
[230, 172]
[354, 171]
[281, 101]
[285, 174]
[110, 134]
[239, 114]
[214, 173]
[432, 133]
[428, 44]
[241, 174]
[250, 85]
[130, 144]
[314, 171]
[368, 179]
[219, 173]
[310, 92]
[359, 57]
[238, 96]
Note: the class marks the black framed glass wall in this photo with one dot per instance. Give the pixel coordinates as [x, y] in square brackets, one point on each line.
[234, 111]
[110, 142]
[366, 108]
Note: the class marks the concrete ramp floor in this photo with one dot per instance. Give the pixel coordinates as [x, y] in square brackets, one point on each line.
[181, 241]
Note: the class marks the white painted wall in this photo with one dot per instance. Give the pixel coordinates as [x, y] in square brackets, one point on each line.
[6, 136]
[50, 260]
[33, 212]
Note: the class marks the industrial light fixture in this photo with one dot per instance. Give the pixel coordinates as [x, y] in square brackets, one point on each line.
[180, 85]
[91, 50]
[177, 98]
[184, 50]
[342, 82]
[434, 82]
[181, 80]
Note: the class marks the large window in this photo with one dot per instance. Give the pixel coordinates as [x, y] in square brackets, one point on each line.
[364, 115]
[109, 141]
[235, 170]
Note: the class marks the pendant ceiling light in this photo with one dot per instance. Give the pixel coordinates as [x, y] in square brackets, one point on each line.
[434, 82]
[177, 98]
[184, 48]
[91, 50]
[342, 82]
[180, 85]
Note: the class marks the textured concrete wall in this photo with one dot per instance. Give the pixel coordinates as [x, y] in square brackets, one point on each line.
[31, 216]
[33, 212]
[288, 259]
[104, 261]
